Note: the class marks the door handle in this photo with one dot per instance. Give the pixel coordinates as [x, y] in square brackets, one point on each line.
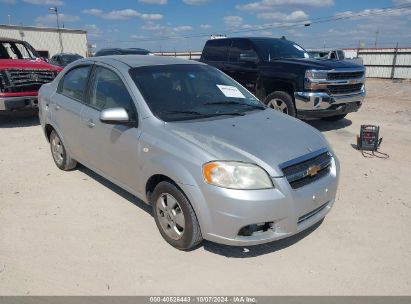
[90, 123]
[56, 107]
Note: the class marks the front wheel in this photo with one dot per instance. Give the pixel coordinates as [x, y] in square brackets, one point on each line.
[335, 117]
[281, 101]
[175, 217]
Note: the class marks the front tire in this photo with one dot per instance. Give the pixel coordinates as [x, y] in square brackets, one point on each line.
[175, 217]
[60, 156]
[335, 117]
[281, 101]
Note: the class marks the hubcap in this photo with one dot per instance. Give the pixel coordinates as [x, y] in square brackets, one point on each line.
[279, 105]
[57, 150]
[171, 216]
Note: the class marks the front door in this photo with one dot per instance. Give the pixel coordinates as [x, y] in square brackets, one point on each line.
[111, 149]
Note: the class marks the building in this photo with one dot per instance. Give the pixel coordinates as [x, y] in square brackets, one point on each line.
[46, 41]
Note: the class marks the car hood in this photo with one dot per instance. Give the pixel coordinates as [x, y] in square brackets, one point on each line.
[36, 64]
[312, 63]
[267, 138]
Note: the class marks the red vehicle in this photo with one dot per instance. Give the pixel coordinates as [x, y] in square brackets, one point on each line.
[22, 73]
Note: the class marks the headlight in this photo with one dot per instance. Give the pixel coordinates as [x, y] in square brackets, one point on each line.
[236, 175]
[314, 74]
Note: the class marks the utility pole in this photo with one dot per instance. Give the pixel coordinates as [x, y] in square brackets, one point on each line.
[55, 10]
[376, 37]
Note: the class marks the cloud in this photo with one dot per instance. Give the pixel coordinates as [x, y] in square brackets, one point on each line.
[298, 15]
[129, 13]
[376, 13]
[93, 12]
[122, 14]
[45, 2]
[158, 2]
[8, 1]
[401, 2]
[93, 30]
[151, 16]
[137, 37]
[233, 21]
[205, 26]
[196, 2]
[182, 28]
[51, 19]
[269, 4]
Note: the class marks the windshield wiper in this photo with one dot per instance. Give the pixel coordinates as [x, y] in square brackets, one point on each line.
[261, 107]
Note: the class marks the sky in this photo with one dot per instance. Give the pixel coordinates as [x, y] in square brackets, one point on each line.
[185, 25]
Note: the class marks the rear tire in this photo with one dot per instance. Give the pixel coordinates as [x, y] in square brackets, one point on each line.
[335, 117]
[60, 156]
[175, 217]
[282, 102]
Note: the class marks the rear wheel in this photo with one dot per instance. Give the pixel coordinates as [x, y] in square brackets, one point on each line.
[335, 117]
[281, 101]
[175, 217]
[60, 156]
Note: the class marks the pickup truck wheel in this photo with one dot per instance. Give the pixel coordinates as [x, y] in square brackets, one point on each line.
[335, 117]
[175, 218]
[281, 101]
[62, 160]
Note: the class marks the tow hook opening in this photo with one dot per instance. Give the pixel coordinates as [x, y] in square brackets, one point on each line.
[253, 229]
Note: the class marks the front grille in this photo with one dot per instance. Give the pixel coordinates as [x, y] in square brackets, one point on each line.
[27, 80]
[344, 75]
[300, 175]
[311, 213]
[344, 89]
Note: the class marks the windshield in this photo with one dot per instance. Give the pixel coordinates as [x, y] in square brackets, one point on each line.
[271, 49]
[15, 50]
[185, 91]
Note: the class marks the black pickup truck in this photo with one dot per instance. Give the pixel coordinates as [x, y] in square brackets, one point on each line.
[281, 74]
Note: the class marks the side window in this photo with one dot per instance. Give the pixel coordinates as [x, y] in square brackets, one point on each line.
[241, 51]
[216, 50]
[108, 91]
[74, 83]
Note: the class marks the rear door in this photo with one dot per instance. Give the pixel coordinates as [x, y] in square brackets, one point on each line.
[242, 63]
[111, 149]
[66, 106]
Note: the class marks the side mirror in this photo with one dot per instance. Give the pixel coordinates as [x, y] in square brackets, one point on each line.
[115, 116]
[248, 58]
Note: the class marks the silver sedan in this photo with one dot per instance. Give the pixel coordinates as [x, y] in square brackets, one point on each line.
[209, 157]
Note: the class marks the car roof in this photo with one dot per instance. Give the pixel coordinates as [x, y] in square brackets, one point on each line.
[140, 60]
[4, 39]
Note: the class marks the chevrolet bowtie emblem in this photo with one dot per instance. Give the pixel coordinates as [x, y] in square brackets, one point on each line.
[313, 170]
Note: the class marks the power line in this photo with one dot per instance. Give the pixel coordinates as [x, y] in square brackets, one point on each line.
[338, 17]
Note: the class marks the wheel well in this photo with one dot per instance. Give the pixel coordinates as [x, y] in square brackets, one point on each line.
[154, 181]
[279, 86]
[48, 129]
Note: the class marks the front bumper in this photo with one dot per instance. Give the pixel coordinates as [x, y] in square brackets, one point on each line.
[320, 104]
[224, 212]
[18, 103]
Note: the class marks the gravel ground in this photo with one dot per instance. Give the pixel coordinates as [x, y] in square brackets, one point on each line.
[74, 233]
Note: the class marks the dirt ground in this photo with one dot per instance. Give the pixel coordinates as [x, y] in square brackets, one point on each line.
[74, 233]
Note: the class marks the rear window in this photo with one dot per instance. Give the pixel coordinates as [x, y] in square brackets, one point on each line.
[216, 50]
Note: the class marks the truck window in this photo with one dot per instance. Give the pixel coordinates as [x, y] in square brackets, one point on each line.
[341, 55]
[270, 49]
[216, 50]
[241, 50]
